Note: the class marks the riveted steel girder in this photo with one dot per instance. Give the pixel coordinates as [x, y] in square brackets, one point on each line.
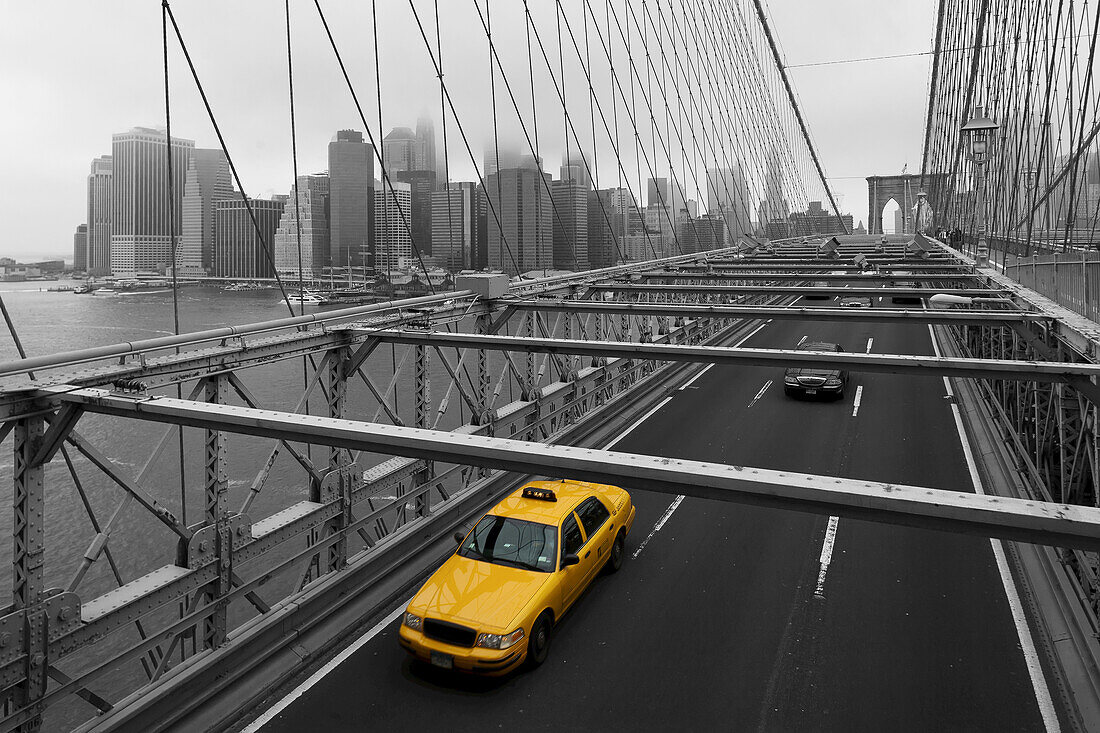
[1028, 521]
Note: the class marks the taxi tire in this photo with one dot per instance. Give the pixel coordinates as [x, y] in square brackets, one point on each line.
[538, 646]
[618, 553]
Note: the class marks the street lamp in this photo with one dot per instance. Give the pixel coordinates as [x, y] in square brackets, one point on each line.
[979, 131]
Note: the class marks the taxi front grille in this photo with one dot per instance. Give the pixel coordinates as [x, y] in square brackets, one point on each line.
[811, 381]
[449, 633]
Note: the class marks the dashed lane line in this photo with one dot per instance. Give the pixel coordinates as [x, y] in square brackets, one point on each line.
[870, 341]
[761, 392]
[826, 555]
[857, 400]
[660, 523]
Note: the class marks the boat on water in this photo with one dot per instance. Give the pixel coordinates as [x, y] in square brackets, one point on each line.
[104, 291]
[307, 297]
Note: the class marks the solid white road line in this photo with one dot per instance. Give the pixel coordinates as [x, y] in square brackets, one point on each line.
[1027, 643]
[857, 400]
[761, 392]
[316, 677]
[869, 342]
[638, 422]
[660, 523]
[826, 555]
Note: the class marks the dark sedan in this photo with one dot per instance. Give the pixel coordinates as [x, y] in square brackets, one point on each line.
[815, 381]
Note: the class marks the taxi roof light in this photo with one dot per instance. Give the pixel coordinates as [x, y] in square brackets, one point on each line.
[531, 492]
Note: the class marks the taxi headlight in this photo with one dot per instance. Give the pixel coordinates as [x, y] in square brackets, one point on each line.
[413, 621]
[790, 380]
[499, 641]
[833, 381]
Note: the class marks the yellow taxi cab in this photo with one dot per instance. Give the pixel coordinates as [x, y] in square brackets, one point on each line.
[493, 604]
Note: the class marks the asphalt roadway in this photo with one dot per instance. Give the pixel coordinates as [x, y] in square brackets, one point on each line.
[727, 618]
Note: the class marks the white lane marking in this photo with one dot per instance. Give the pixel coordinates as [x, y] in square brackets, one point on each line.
[857, 400]
[869, 342]
[691, 381]
[826, 555]
[801, 340]
[660, 523]
[639, 421]
[332, 664]
[1027, 643]
[761, 392]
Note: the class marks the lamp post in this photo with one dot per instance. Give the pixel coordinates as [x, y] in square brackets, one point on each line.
[978, 131]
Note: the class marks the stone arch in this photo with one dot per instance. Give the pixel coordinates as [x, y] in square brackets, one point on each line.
[903, 189]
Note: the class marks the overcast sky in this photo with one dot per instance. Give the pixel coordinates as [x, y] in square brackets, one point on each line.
[73, 73]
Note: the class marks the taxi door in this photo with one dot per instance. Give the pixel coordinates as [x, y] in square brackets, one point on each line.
[599, 534]
[574, 577]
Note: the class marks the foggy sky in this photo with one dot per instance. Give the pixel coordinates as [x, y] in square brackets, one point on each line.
[72, 73]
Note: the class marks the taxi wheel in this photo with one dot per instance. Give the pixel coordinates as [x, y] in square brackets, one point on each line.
[618, 552]
[538, 647]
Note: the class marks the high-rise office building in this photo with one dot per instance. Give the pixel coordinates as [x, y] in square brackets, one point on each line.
[522, 240]
[80, 248]
[425, 133]
[99, 217]
[239, 249]
[392, 219]
[421, 184]
[570, 217]
[208, 180]
[702, 234]
[402, 150]
[610, 214]
[351, 198]
[459, 216]
[658, 192]
[304, 221]
[728, 197]
[660, 225]
[774, 207]
[140, 238]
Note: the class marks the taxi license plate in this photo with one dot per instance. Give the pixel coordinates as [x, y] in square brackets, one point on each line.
[811, 391]
[446, 661]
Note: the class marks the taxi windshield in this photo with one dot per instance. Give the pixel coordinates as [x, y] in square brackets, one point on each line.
[513, 542]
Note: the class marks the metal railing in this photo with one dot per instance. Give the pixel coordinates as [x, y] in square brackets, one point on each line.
[1071, 280]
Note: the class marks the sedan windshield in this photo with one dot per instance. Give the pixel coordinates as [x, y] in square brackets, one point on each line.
[513, 542]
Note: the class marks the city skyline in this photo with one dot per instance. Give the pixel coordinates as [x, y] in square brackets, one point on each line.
[849, 135]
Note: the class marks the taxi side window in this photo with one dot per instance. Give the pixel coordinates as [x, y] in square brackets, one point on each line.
[593, 514]
[571, 539]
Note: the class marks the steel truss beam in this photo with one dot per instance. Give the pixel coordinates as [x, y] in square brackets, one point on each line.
[820, 273]
[671, 290]
[1078, 374]
[1013, 519]
[781, 312]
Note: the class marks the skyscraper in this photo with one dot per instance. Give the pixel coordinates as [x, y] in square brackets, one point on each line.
[421, 184]
[728, 197]
[140, 238]
[393, 214]
[351, 198]
[402, 150]
[239, 250]
[774, 207]
[208, 180]
[304, 219]
[459, 224]
[570, 217]
[523, 240]
[425, 134]
[80, 248]
[610, 213]
[99, 217]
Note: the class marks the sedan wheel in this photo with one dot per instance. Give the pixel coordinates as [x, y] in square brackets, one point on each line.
[618, 552]
[538, 647]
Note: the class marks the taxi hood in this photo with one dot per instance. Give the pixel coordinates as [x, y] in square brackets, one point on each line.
[478, 593]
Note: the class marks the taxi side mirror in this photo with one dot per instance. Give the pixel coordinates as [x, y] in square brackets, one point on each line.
[569, 560]
[459, 536]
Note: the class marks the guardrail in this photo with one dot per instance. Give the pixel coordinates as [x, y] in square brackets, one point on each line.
[1071, 280]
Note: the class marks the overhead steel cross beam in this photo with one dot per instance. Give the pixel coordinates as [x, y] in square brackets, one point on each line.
[955, 317]
[1014, 519]
[1079, 375]
[821, 273]
[796, 289]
